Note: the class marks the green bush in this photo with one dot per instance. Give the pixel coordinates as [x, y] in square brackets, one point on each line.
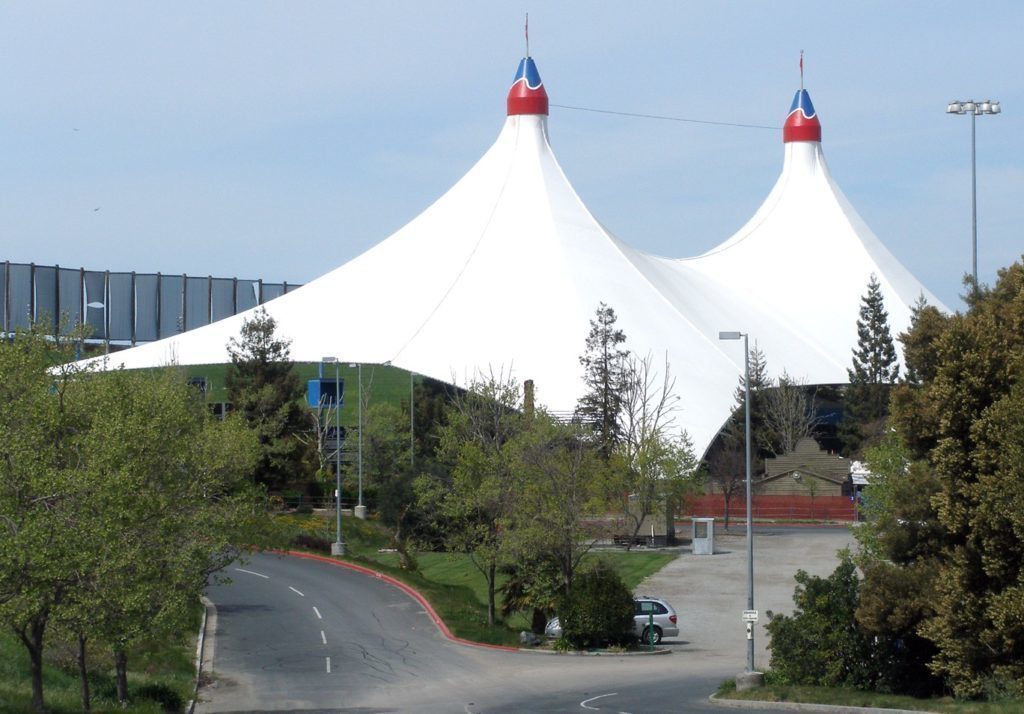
[163, 695]
[598, 611]
[311, 541]
[820, 643]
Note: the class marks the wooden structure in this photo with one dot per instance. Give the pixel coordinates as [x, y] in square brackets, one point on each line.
[808, 470]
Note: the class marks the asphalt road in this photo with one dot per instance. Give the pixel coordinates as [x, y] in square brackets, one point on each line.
[300, 635]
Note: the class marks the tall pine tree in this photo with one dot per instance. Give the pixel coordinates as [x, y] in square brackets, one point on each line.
[604, 369]
[875, 369]
[263, 386]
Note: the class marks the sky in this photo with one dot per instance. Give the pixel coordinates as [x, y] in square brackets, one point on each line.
[279, 140]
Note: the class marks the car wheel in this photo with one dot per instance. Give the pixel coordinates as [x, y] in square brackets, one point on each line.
[646, 637]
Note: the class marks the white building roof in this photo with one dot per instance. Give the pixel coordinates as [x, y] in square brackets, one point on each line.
[506, 269]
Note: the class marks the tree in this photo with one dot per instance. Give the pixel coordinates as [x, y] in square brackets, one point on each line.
[944, 554]
[385, 444]
[900, 551]
[119, 495]
[561, 493]
[875, 368]
[263, 386]
[919, 355]
[655, 456]
[789, 413]
[473, 507]
[151, 434]
[968, 403]
[726, 466]
[387, 469]
[759, 379]
[533, 584]
[603, 365]
[39, 454]
[725, 461]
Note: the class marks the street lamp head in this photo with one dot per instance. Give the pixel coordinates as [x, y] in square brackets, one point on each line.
[994, 108]
[730, 335]
[955, 108]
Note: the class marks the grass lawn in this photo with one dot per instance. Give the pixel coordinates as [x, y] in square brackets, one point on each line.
[158, 675]
[381, 384]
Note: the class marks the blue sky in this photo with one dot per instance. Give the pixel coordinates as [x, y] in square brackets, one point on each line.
[280, 140]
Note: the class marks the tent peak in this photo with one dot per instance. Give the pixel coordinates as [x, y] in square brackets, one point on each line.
[802, 123]
[527, 95]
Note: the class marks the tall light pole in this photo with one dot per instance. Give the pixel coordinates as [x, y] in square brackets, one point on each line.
[750, 521]
[412, 422]
[360, 508]
[975, 109]
[338, 546]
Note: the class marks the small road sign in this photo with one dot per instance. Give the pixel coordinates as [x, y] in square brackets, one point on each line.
[750, 615]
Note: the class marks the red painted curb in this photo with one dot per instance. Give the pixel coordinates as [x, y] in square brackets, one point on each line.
[408, 589]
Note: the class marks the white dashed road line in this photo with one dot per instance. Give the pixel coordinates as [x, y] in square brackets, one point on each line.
[318, 615]
[323, 636]
[328, 665]
[296, 591]
[250, 572]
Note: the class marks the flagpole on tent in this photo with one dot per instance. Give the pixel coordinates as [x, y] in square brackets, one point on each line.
[801, 70]
[526, 31]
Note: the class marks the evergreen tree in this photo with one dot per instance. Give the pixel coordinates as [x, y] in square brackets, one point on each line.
[764, 443]
[759, 379]
[263, 386]
[970, 406]
[875, 369]
[919, 355]
[604, 370]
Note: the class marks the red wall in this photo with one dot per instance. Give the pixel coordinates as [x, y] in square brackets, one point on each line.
[772, 508]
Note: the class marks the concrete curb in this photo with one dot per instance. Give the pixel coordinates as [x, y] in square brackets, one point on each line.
[586, 653]
[408, 589]
[200, 649]
[415, 594]
[803, 707]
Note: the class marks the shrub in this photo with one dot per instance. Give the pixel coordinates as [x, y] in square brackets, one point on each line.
[163, 695]
[820, 643]
[311, 541]
[598, 611]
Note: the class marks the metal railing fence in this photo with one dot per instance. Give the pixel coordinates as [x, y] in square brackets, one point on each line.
[123, 307]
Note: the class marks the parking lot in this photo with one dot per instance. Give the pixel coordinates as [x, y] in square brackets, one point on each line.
[709, 592]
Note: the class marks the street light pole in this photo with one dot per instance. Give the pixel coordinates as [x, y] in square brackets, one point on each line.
[975, 109]
[412, 422]
[338, 546]
[750, 519]
[360, 376]
[360, 510]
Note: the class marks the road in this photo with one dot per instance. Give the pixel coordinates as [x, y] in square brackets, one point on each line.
[300, 635]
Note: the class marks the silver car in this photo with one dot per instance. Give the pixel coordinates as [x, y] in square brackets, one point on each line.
[666, 622]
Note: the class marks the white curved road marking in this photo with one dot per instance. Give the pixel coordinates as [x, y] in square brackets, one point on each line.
[296, 591]
[252, 572]
[586, 702]
[318, 615]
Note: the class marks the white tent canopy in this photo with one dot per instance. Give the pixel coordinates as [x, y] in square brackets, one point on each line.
[505, 271]
[804, 261]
